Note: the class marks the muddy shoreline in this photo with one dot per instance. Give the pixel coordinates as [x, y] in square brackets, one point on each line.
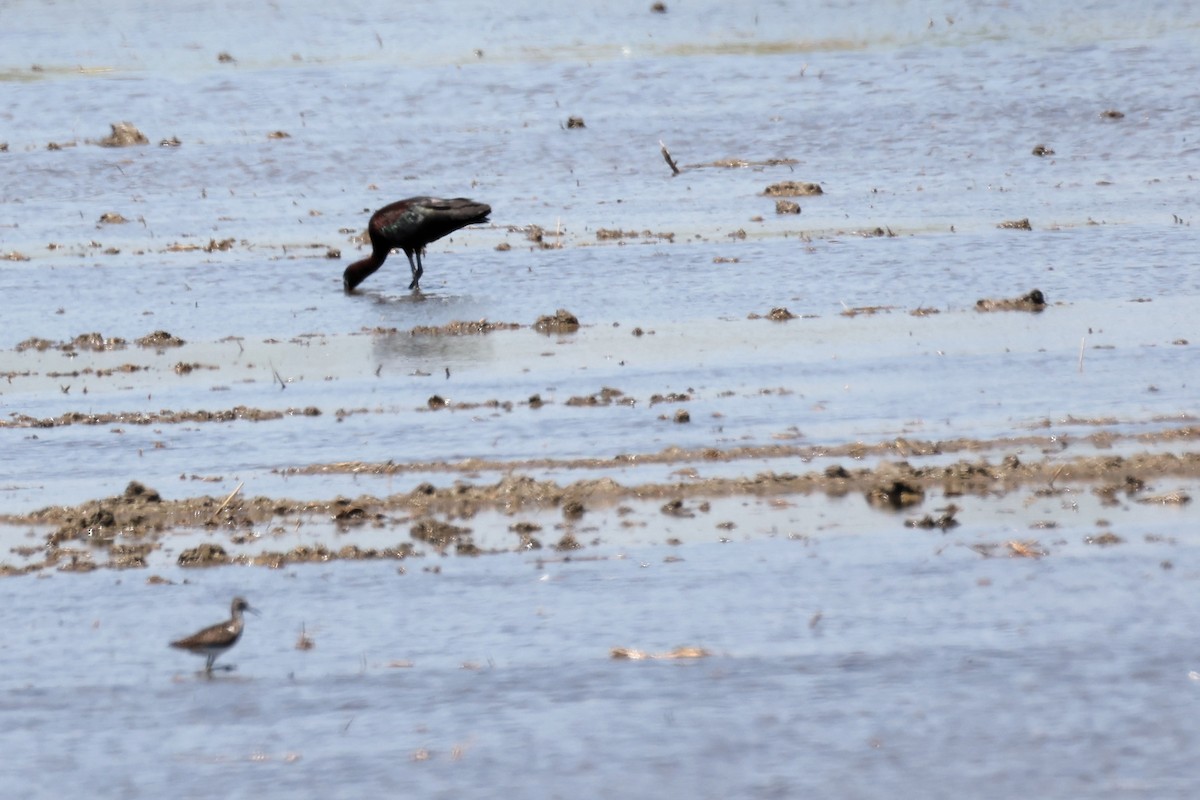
[127, 530]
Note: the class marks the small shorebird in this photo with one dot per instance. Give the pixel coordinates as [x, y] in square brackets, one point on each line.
[216, 639]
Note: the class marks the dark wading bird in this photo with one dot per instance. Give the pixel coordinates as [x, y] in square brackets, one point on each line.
[216, 639]
[410, 225]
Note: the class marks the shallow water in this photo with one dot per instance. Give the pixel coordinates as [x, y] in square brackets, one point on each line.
[930, 669]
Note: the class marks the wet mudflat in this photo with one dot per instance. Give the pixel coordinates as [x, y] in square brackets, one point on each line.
[878, 425]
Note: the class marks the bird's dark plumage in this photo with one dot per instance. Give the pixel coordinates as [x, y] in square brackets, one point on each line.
[410, 225]
[216, 639]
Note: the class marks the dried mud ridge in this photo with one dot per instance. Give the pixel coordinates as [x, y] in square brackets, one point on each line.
[125, 530]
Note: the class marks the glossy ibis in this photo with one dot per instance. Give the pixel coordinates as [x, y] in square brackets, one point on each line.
[410, 225]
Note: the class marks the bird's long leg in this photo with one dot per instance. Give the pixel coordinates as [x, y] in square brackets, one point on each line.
[209, 665]
[417, 271]
[415, 266]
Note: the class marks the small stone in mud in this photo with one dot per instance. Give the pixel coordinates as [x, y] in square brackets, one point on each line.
[112, 218]
[1103, 540]
[563, 321]
[682, 416]
[13, 255]
[535, 401]
[575, 122]
[658, 8]
[1112, 113]
[573, 509]
[333, 253]
[793, 189]
[435, 402]
[1034, 301]
[504, 247]
[172, 142]
[1042, 151]
[225, 58]
[124, 134]
[786, 207]
[895, 494]
[279, 135]
[1016, 224]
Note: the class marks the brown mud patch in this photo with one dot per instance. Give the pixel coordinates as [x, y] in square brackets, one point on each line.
[237, 413]
[1034, 302]
[562, 321]
[130, 528]
[793, 189]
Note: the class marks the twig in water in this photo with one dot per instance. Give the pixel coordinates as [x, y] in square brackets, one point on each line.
[1056, 474]
[1081, 343]
[221, 507]
[666, 154]
[282, 385]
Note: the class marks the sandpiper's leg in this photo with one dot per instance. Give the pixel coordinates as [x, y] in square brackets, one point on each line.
[208, 666]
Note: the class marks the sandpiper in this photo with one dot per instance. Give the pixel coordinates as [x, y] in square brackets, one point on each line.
[216, 639]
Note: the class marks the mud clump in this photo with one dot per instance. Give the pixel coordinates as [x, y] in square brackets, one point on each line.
[780, 314]
[100, 522]
[575, 123]
[786, 207]
[112, 218]
[124, 134]
[1016, 225]
[618, 235]
[895, 494]
[605, 397]
[944, 521]
[1034, 302]
[206, 555]
[793, 189]
[567, 543]
[459, 328]
[93, 341]
[562, 321]
[1041, 151]
[159, 339]
[439, 534]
